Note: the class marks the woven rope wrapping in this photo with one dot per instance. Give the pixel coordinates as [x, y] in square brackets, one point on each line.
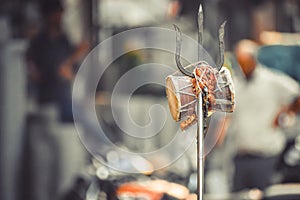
[218, 84]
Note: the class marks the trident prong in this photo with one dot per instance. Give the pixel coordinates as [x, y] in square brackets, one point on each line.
[221, 46]
[200, 43]
[177, 55]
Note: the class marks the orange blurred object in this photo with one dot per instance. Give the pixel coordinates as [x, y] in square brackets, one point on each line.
[152, 190]
[135, 190]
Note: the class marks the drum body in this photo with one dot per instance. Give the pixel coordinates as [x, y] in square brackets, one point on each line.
[182, 99]
[224, 92]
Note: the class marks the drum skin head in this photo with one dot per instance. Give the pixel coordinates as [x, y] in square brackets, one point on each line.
[172, 99]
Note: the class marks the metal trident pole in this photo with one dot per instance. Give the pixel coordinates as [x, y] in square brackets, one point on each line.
[200, 127]
[200, 113]
[200, 149]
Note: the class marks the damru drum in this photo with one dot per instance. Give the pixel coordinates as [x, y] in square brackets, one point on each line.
[182, 92]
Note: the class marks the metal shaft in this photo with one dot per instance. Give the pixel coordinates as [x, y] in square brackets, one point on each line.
[200, 149]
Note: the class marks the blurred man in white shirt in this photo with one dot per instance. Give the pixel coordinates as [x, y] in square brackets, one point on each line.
[264, 100]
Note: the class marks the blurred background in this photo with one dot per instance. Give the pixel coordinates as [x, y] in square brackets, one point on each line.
[43, 43]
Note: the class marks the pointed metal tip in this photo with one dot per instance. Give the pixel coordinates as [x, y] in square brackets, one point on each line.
[200, 30]
[175, 26]
[222, 30]
[223, 24]
[178, 34]
[200, 8]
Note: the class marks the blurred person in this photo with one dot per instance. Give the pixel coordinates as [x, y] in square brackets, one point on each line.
[56, 152]
[265, 99]
[51, 59]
